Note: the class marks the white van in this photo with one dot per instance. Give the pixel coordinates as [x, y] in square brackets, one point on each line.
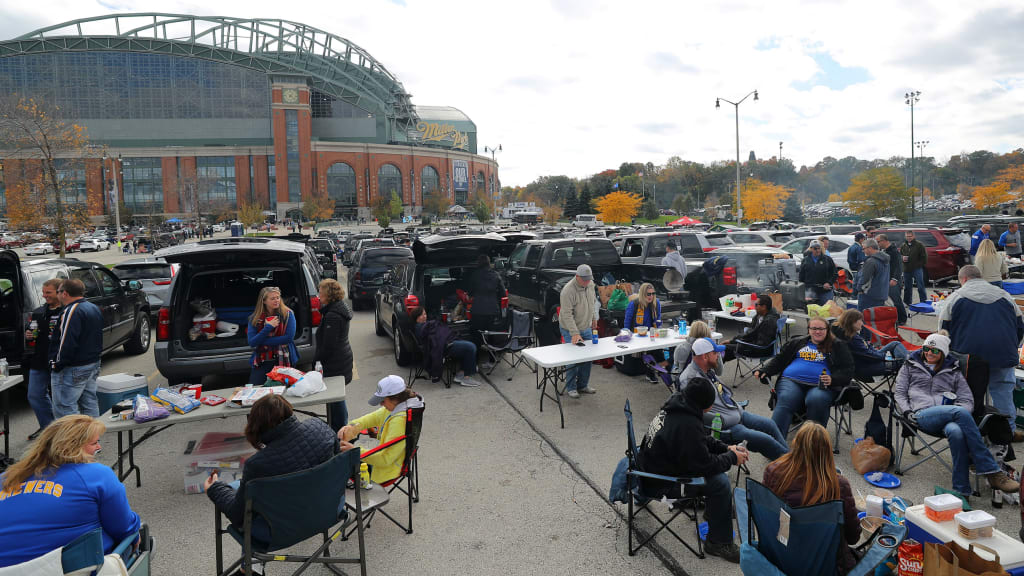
[587, 221]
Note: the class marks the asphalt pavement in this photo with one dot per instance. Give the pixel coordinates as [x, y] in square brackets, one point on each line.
[504, 490]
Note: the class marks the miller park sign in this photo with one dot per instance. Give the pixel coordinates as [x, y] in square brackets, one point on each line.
[442, 134]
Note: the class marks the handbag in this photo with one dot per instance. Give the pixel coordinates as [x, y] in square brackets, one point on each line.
[952, 560]
[618, 300]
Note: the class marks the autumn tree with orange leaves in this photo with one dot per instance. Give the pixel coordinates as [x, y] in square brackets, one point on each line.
[618, 207]
[34, 131]
[992, 195]
[318, 207]
[763, 200]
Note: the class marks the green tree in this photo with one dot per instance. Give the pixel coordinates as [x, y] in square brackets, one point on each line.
[570, 205]
[792, 211]
[649, 211]
[584, 204]
[481, 209]
[879, 192]
[681, 203]
[386, 210]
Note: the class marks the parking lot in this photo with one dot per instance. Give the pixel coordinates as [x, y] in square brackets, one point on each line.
[504, 490]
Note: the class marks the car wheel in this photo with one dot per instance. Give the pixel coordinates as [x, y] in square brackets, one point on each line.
[378, 326]
[139, 341]
[402, 356]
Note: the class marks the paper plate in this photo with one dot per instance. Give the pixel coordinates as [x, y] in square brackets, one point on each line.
[887, 480]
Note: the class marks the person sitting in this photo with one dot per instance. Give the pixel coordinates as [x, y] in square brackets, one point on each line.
[58, 492]
[868, 361]
[683, 354]
[283, 445]
[676, 444]
[807, 476]
[761, 433]
[394, 399]
[812, 370]
[762, 331]
[921, 385]
[644, 309]
[818, 273]
[439, 341]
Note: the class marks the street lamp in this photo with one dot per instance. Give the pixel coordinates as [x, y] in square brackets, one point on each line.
[739, 205]
[911, 98]
[115, 200]
[494, 163]
[921, 144]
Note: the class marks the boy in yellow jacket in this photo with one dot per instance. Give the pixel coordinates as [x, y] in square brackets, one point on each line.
[394, 398]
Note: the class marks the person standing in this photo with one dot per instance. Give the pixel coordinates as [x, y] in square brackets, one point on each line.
[915, 258]
[873, 281]
[674, 259]
[487, 290]
[577, 319]
[855, 258]
[332, 347]
[74, 351]
[983, 320]
[46, 318]
[978, 236]
[818, 273]
[1009, 241]
[271, 335]
[896, 278]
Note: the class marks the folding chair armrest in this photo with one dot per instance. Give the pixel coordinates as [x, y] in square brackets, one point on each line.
[380, 447]
[885, 337]
[920, 332]
[125, 545]
[750, 346]
[674, 479]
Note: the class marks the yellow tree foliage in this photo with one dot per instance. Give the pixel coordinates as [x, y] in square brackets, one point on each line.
[318, 207]
[552, 212]
[763, 200]
[879, 192]
[618, 207]
[436, 203]
[250, 214]
[31, 205]
[835, 198]
[992, 195]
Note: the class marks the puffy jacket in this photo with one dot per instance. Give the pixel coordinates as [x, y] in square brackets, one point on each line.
[289, 447]
[873, 279]
[78, 339]
[895, 263]
[839, 361]
[434, 337]
[386, 464]
[332, 346]
[917, 388]
[487, 291]
[818, 273]
[984, 320]
[916, 255]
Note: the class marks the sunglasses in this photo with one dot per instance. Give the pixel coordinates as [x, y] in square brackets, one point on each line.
[650, 293]
[932, 350]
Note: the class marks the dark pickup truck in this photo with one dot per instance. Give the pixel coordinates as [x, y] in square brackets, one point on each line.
[537, 270]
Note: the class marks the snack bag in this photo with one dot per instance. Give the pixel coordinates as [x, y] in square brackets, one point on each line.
[285, 375]
[180, 404]
[146, 409]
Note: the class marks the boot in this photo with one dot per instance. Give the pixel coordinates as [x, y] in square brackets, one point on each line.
[729, 552]
[1018, 435]
[1000, 481]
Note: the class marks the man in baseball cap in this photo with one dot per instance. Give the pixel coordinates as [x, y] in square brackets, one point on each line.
[577, 320]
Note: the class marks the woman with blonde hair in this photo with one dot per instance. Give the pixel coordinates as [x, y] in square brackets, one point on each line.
[682, 356]
[644, 309]
[58, 491]
[807, 475]
[271, 335]
[332, 346]
[991, 263]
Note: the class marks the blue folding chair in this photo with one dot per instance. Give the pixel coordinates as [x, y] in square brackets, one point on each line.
[638, 501]
[84, 555]
[814, 541]
[750, 358]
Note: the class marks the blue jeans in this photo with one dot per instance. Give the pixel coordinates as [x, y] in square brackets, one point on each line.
[908, 288]
[577, 376]
[818, 296]
[39, 396]
[74, 390]
[795, 398]
[901, 310]
[761, 434]
[258, 373]
[863, 302]
[899, 351]
[465, 352]
[965, 442]
[1001, 382]
[717, 492]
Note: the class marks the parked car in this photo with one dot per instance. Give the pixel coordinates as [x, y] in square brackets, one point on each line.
[123, 304]
[769, 238]
[326, 254]
[366, 275]
[229, 273]
[948, 248]
[350, 246]
[39, 249]
[93, 244]
[154, 274]
[11, 241]
[838, 245]
[649, 247]
[587, 221]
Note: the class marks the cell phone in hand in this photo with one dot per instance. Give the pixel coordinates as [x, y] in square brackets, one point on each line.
[580, 343]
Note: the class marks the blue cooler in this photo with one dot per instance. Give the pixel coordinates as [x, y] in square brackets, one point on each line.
[112, 388]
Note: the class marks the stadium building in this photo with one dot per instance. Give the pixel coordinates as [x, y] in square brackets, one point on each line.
[190, 113]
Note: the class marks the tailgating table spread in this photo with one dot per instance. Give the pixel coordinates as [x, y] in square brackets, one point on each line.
[5, 387]
[335, 393]
[556, 358]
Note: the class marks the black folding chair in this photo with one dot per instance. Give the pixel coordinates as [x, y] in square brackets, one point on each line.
[638, 501]
[508, 346]
[841, 410]
[751, 358]
[291, 508]
[418, 369]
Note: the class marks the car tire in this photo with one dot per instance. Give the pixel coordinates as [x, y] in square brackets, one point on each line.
[140, 338]
[377, 325]
[403, 357]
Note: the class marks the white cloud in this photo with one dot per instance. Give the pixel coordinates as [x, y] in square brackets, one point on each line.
[574, 86]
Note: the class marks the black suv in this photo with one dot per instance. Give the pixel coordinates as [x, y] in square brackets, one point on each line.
[123, 304]
[229, 273]
[366, 275]
[350, 246]
[326, 254]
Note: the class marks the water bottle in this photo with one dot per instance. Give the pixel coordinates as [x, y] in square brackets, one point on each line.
[364, 476]
[318, 367]
[593, 337]
[716, 426]
[4, 368]
[683, 328]
[888, 356]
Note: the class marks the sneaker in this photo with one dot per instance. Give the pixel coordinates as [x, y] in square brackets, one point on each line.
[1018, 435]
[729, 552]
[1000, 481]
[573, 394]
[35, 434]
[467, 382]
[587, 390]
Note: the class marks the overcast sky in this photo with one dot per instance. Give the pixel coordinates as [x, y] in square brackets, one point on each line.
[576, 86]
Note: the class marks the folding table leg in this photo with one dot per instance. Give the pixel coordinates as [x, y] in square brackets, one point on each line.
[553, 376]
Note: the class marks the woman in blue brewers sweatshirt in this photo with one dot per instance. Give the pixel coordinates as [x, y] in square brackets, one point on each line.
[644, 310]
[57, 492]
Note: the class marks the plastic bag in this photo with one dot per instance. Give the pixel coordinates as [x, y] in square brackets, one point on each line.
[624, 336]
[202, 306]
[285, 375]
[618, 300]
[146, 409]
[869, 457]
[819, 311]
[311, 383]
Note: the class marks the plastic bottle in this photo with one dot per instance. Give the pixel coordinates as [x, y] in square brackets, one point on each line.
[683, 328]
[888, 356]
[318, 367]
[716, 426]
[593, 337]
[4, 369]
[34, 327]
[364, 476]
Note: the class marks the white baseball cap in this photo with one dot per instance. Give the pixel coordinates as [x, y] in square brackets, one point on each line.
[705, 345]
[387, 386]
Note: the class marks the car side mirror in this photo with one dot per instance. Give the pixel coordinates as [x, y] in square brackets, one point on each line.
[134, 285]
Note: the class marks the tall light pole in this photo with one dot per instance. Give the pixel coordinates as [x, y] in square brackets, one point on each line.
[494, 164]
[921, 144]
[911, 98]
[116, 199]
[739, 204]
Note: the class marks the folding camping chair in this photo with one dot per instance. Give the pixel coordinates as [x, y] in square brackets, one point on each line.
[750, 358]
[508, 346]
[660, 373]
[815, 536]
[881, 323]
[292, 508]
[638, 501]
[846, 401]
[418, 369]
[84, 556]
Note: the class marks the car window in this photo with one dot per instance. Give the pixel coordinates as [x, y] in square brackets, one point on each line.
[92, 287]
[837, 246]
[747, 238]
[533, 257]
[571, 255]
[143, 271]
[928, 239]
[718, 240]
[657, 247]
[385, 257]
[518, 256]
[850, 229]
[691, 245]
[627, 247]
[797, 247]
[108, 283]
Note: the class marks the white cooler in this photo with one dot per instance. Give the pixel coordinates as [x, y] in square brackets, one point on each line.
[112, 388]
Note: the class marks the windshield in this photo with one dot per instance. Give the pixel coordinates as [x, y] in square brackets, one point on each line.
[571, 255]
[719, 240]
[142, 272]
[386, 257]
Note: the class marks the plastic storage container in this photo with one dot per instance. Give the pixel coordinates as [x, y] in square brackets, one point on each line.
[112, 388]
[206, 322]
[225, 452]
[1009, 548]
[975, 524]
[942, 507]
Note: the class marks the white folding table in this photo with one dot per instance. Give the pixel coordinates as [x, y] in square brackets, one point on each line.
[5, 387]
[554, 359]
[722, 315]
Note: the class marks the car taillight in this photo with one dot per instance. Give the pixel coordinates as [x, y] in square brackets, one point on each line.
[411, 302]
[161, 282]
[711, 248]
[314, 305]
[729, 276]
[504, 300]
[335, 256]
[163, 324]
[357, 277]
